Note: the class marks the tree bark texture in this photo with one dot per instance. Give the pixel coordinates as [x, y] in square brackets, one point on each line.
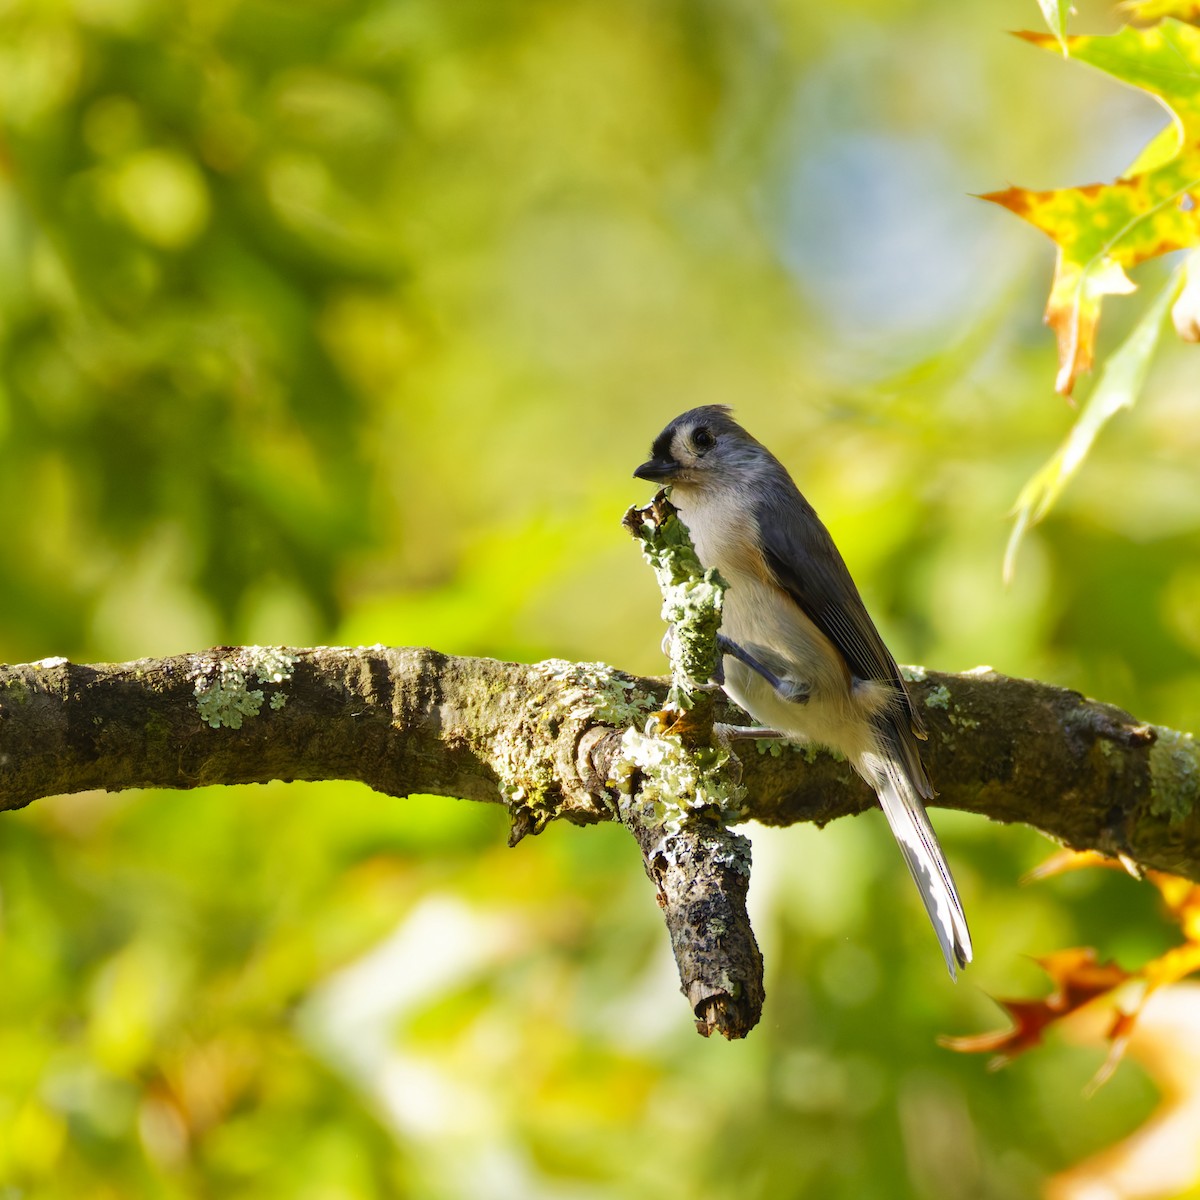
[546, 741]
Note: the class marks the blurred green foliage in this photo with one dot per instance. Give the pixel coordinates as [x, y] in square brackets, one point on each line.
[347, 320]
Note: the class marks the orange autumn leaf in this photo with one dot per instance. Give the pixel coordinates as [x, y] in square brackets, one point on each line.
[1078, 978]
[1181, 898]
[1063, 861]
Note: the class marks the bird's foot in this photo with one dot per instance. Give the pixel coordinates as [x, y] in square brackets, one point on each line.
[747, 733]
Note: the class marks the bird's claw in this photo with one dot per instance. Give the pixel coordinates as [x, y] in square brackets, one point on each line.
[748, 733]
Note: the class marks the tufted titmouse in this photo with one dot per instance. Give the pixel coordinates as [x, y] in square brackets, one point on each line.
[801, 653]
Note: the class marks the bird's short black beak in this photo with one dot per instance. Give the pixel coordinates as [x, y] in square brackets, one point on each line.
[657, 470]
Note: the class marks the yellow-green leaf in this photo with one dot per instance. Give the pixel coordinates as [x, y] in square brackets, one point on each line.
[1120, 383]
[1103, 229]
[1147, 12]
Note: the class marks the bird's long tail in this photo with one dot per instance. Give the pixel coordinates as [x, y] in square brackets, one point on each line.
[910, 826]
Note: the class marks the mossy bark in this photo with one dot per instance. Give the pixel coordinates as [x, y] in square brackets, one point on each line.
[413, 721]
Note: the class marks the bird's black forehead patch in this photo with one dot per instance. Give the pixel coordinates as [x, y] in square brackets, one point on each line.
[662, 444]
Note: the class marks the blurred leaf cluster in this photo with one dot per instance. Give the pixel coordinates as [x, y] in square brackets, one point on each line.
[347, 321]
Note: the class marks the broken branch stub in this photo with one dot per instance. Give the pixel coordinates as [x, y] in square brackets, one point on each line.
[678, 787]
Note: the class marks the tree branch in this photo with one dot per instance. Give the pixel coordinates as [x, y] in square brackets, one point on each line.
[546, 740]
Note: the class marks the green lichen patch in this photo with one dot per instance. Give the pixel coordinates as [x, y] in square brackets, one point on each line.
[1174, 775]
[730, 850]
[692, 598]
[526, 777]
[940, 697]
[224, 693]
[809, 751]
[595, 692]
[671, 781]
[773, 747]
[583, 693]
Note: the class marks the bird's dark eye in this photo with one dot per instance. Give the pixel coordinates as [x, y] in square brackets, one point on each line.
[703, 439]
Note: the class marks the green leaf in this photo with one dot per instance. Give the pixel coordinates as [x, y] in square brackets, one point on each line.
[1056, 12]
[1119, 385]
[1103, 229]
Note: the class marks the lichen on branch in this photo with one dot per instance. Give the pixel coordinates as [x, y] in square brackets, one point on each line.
[411, 721]
[224, 695]
[692, 598]
[678, 788]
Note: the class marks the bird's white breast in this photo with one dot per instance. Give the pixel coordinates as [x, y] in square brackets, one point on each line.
[758, 612]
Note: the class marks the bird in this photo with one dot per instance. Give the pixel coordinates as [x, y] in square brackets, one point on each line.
[800, 652]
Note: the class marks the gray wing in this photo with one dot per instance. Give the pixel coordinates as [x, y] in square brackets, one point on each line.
[807, 565]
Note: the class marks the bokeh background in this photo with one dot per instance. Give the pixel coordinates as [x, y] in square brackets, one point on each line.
[347, 321]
